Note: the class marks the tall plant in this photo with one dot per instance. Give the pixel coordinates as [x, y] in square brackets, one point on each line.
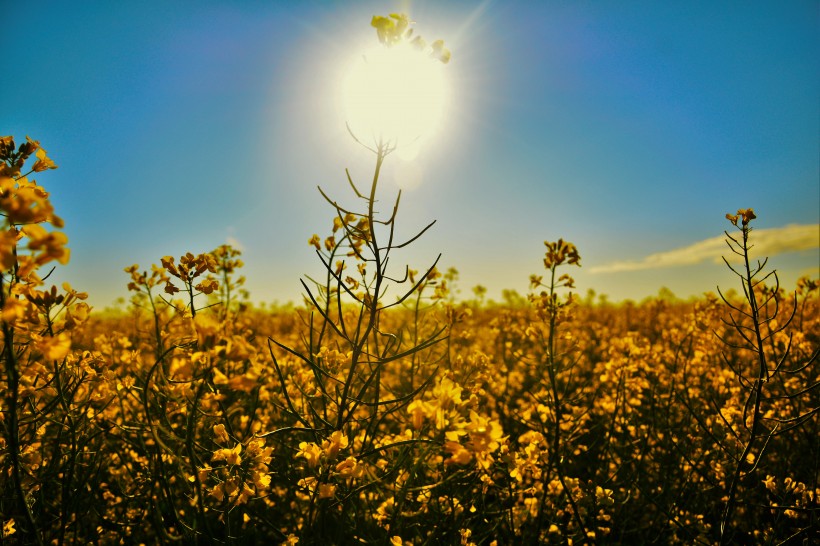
[341, 407]
[758, 332]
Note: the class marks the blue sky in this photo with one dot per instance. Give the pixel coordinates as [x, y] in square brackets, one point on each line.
[628, 128]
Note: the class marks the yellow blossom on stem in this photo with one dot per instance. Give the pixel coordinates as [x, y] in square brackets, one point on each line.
[417, 409]
[230, 456]
[55, 347]
[207, 286]
[261, 480]
[350, 468]
[43, 162]
[334, 444]
[559, 252]
[485, 434]
[218, 492]
[326, 490]
[220, 434]
[311, 452]
[458, 453]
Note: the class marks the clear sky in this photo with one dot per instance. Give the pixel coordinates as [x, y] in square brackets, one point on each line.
[629, 128]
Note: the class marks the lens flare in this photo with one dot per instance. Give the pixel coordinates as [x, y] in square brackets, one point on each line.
[395, 94]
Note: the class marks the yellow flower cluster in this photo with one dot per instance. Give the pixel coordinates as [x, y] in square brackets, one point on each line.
[395, 29]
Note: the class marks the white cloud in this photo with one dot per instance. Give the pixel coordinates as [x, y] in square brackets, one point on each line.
[234, 242]
[767, 242]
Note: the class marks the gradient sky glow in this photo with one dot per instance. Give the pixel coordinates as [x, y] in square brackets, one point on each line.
[629, 128]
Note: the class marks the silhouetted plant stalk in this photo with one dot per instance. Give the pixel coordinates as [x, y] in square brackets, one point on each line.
[756, 324]
[553, 309]
[349, 304]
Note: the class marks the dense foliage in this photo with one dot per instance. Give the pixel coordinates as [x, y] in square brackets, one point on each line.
[375, 417]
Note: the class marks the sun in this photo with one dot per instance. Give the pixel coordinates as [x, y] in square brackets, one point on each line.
[396, 94]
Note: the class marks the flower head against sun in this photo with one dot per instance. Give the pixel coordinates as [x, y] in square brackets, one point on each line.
[395, 29]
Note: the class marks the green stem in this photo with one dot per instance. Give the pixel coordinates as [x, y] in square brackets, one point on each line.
[13, 428]
[373, 307]
[757, 392]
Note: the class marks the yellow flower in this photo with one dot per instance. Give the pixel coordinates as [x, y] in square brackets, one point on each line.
[244, 495]
[168, 263]
[447, 394]
[206, 327]
[77, 314]
[385, 510]
[170, 288]
[261, 480]
[559, 252]
[51, 244]
[14, 309]
[334, 444]
[55, 347]
[219, 377]
[485, 434]
[245, 382]
[221, 434]
[230, 456]
[311, 452]
[231, 486]
[43, 162]
[207, 286]
[395, 29]
[8, 243]
[326, 490]
[417, 410]
[440, 52]
[218, 492]
[349, 468]
[258, 452]
[390, 30]
[747, 214]
[458, 454]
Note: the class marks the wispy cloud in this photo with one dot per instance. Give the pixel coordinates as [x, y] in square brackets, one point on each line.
[234, 242]
[767, 242]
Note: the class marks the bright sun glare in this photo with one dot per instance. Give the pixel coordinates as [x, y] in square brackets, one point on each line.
[395, 94]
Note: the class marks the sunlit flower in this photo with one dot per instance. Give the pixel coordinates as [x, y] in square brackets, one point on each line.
[218, 492]
[55, 347]
[43, 162]
[207, 286]
[311, 453]
[349, 468]
[326, 490]
[220, 434]
[336, 442]
[230, 456]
